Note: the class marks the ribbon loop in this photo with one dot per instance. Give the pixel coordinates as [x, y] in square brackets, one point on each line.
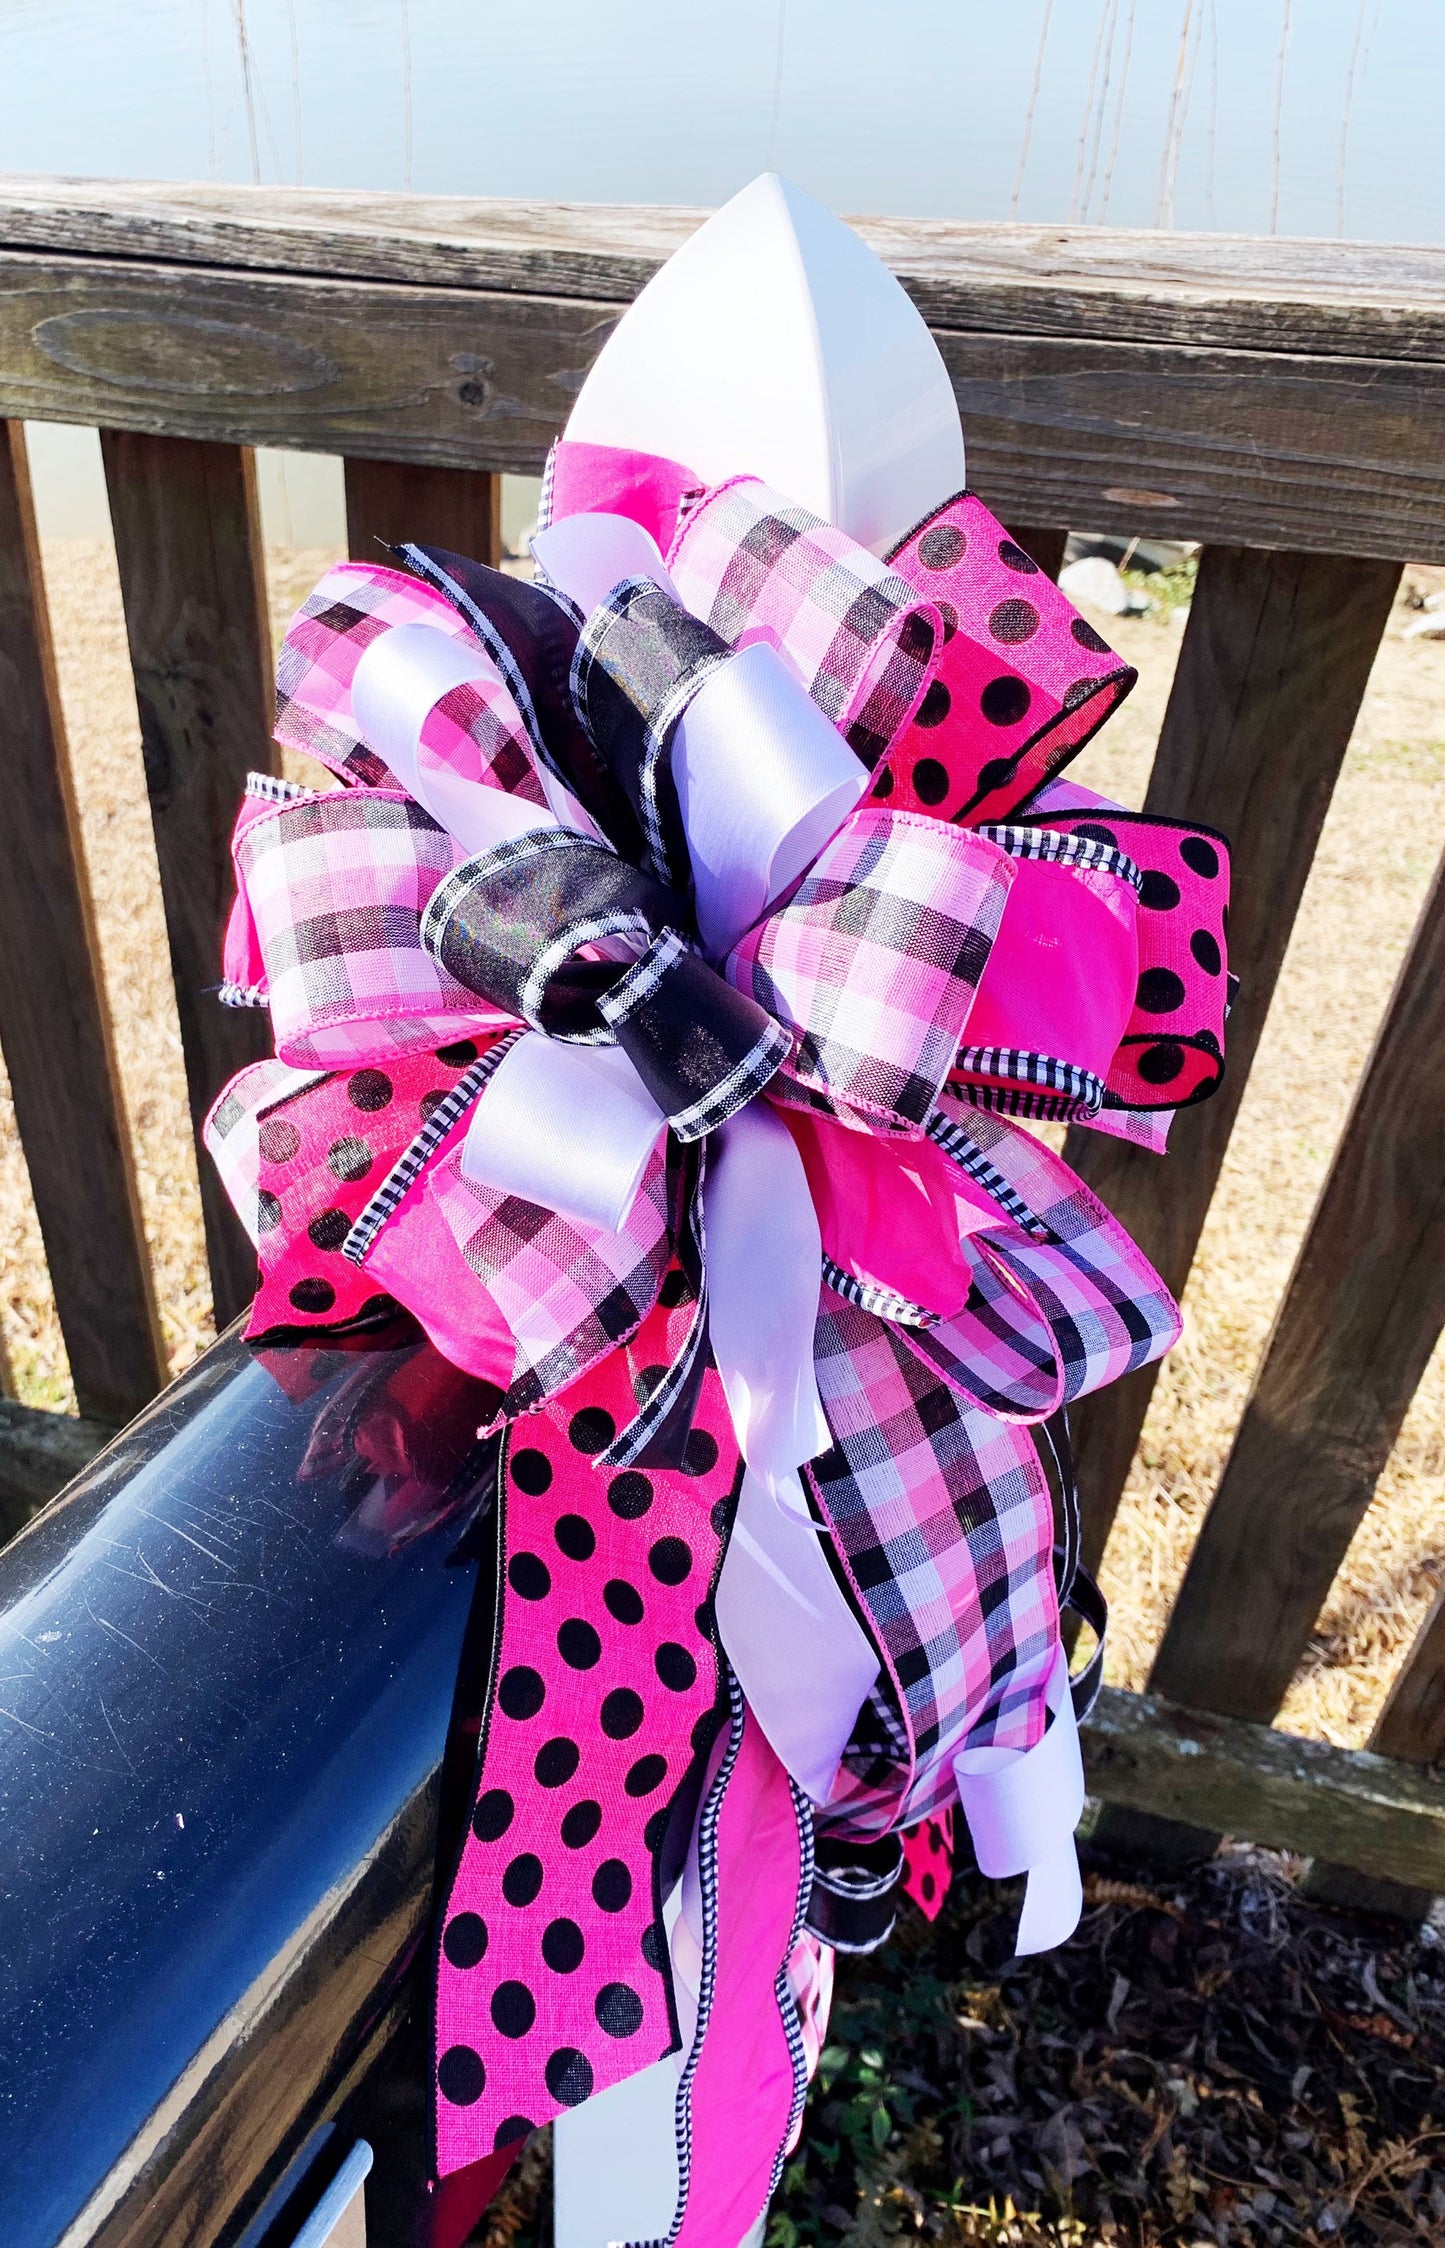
[511, 924]
[701, 1049]
[639, 662]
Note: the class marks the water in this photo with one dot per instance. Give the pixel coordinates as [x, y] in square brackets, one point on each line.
[924, 108]
[916, 108]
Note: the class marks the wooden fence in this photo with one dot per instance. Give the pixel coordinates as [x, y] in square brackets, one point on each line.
[1282, 402]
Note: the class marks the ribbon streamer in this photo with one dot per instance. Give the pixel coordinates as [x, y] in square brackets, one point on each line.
[650, 1017]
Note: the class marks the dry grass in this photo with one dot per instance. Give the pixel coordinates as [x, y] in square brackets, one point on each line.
[1373, 865]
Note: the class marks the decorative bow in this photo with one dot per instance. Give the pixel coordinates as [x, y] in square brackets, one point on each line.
[627, 845]
[684, 938]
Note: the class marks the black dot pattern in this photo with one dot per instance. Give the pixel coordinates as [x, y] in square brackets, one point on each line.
[350, 1158]
[943, 547]
[604, 1678]
[1173, 1050]
[563, 1946]
[529, 1576]
[461, 2076]
[556, 1762]
[329, 1230]
[279, 1140]
[619, 2010]
[1160, 991]
[1005, 701]
[1013, 655]
[624, 1602]
[1013, 622]
[465, 1940]
[935, 706]
[493, 1815]
[930, 781]
[569, 2076]
[522, 1881]
[370, 1090]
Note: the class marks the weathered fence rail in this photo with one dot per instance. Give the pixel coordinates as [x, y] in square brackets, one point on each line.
[1282, 402]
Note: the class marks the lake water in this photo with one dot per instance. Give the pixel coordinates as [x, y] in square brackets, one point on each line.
[1305, 116]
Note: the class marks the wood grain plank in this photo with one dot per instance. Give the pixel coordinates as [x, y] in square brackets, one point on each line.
[39, 1454]
[1412, 1723]
[1411, 1728]
[1332, 453]
[1359, 1321]
[54, 1020]
[187, 539]
[1276, 656]
[392, 501]
[1146, 1754]
[1243, 292]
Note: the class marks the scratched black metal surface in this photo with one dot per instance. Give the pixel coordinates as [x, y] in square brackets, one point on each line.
[227, 1663]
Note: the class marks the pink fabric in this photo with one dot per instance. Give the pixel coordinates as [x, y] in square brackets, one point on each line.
[301, 1159]
[895, 1214]
[336, 886]
[1171, 1048]
[1061, 977]
[416, 1259]
[928, 1863]
[552, 1974]
[1022, 682]
[874, 963]
[747, 2089]
[612, 480]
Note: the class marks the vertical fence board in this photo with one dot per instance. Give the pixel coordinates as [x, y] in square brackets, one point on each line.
[1412, 1722]
[1275, 661]
[54, 1021]
[1046, 548]
[1354, 1334]
[188, 542]
[392, 501]
[1410, 1728]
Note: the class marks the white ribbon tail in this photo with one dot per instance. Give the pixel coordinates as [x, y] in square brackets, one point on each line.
[800, 1654]
[1022, 1806]
[765, 1262]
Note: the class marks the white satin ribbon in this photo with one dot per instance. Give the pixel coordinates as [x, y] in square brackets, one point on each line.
[763, 779]
[764, 1269]
[568, 1127]
[800, 1654]
[1022, 1806]
[399, 681]
[585, 556]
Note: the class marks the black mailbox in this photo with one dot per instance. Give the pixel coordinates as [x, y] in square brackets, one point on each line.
[229, 1657]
